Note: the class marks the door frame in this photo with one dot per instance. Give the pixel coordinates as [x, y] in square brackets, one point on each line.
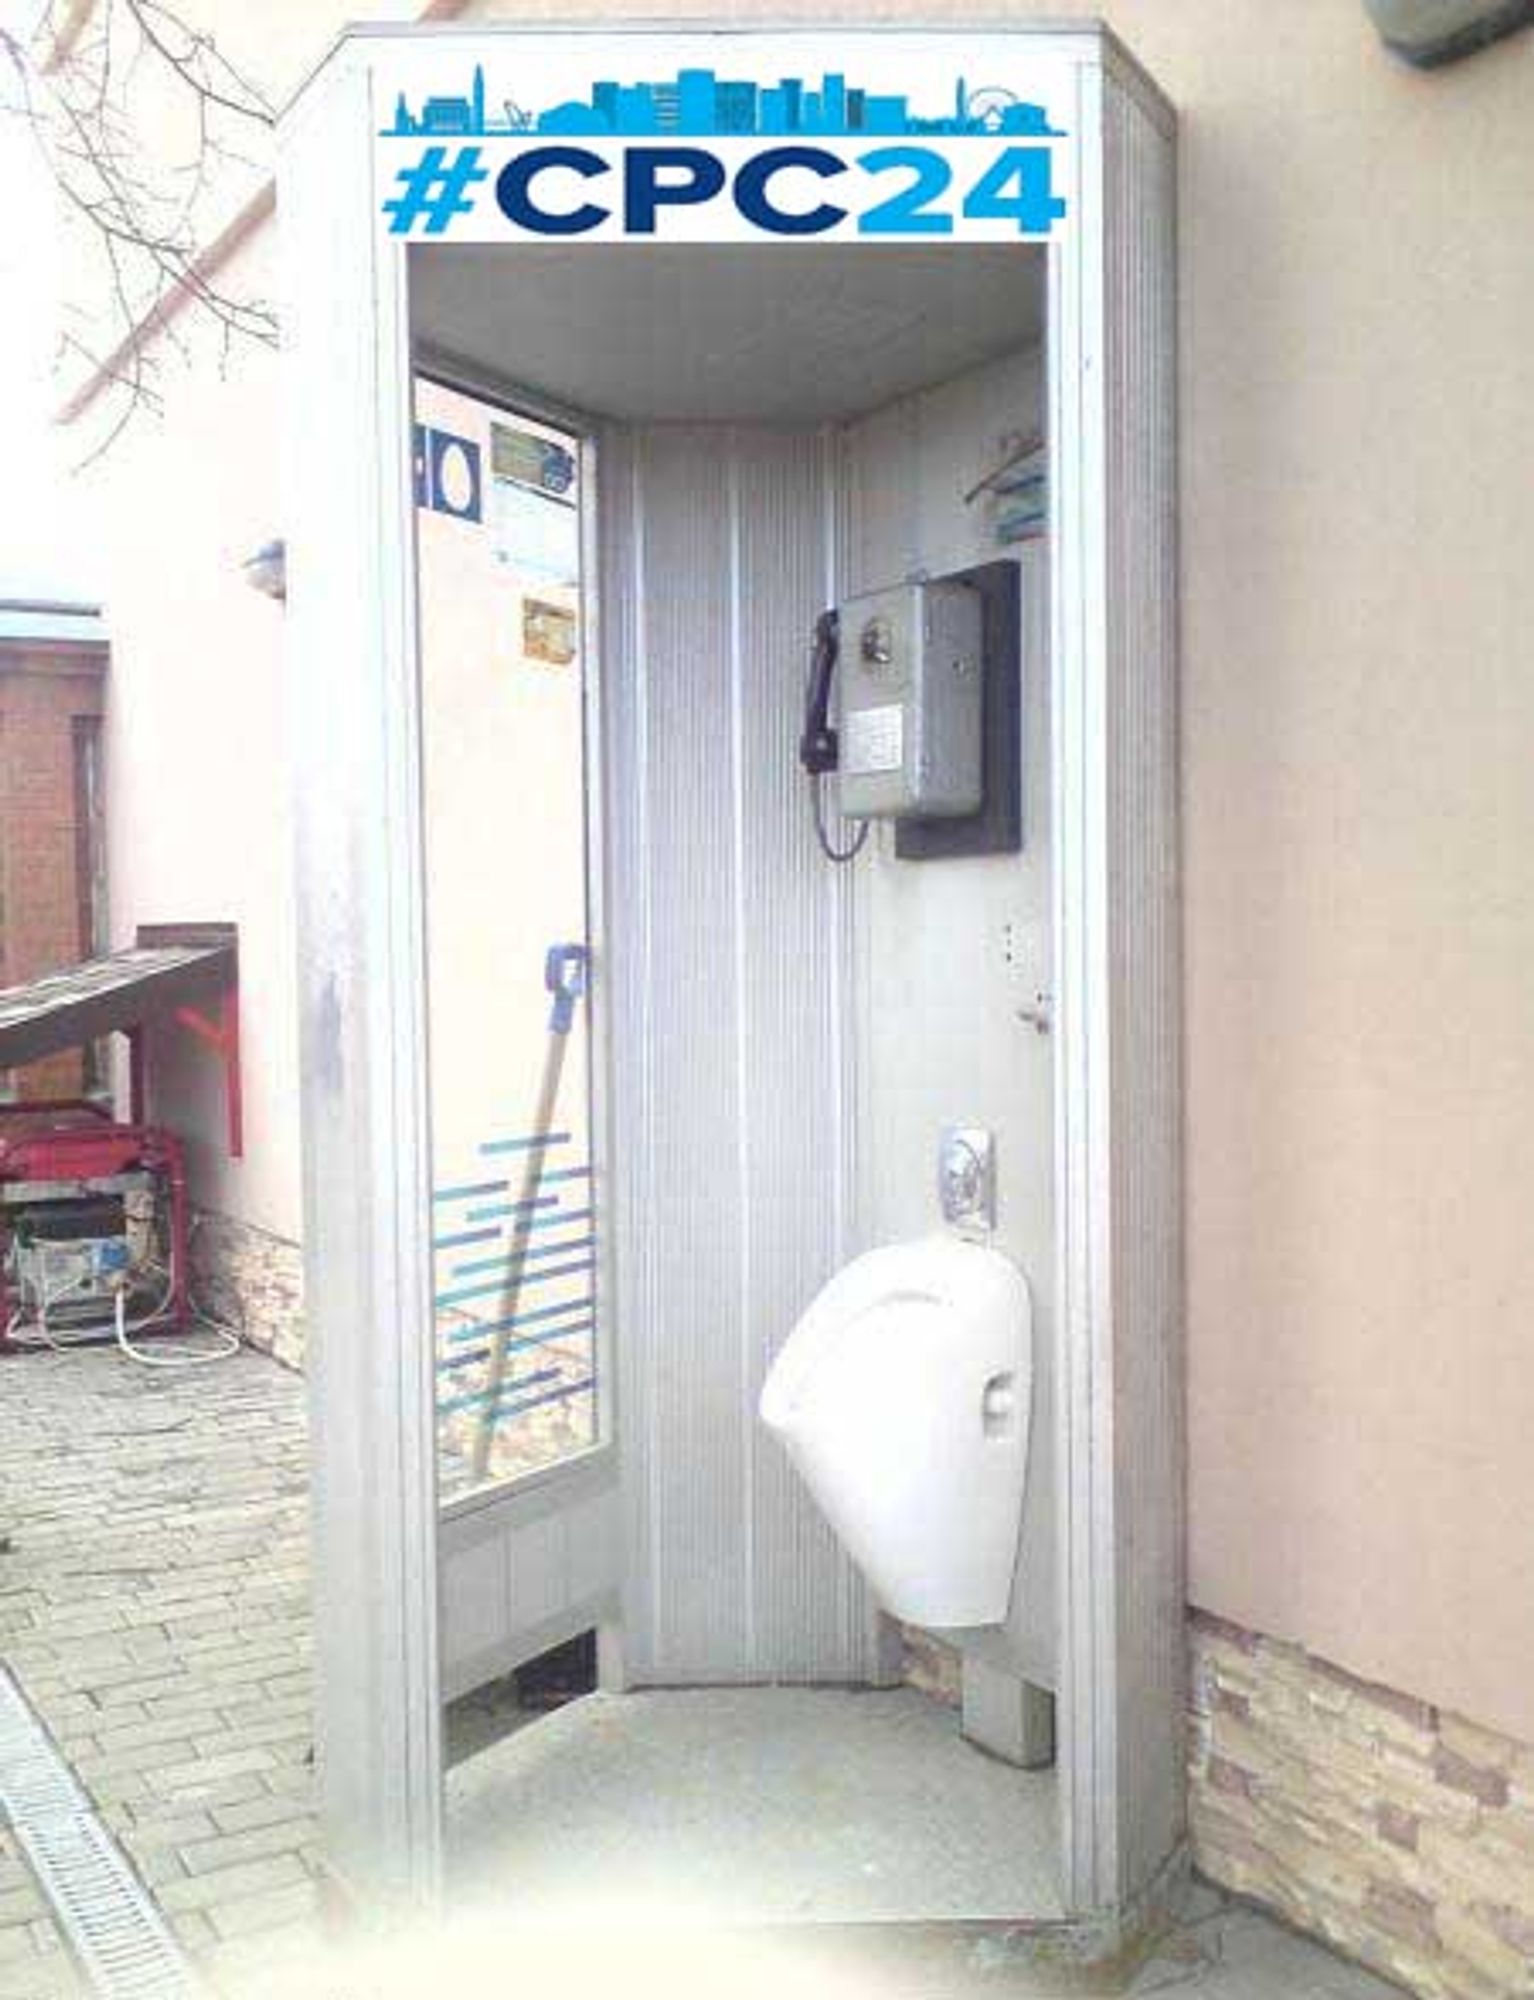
[486, 1530]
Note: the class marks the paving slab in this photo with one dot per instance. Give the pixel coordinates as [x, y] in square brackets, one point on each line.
[152, 1610]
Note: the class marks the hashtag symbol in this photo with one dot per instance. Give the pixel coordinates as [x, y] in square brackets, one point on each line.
[434, 192]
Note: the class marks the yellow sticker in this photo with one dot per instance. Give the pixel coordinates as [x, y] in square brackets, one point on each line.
[548, 632]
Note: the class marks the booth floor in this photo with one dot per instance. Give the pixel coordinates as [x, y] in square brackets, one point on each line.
[754, 1804]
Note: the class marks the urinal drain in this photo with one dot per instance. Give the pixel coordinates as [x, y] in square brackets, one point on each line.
[120, 1939]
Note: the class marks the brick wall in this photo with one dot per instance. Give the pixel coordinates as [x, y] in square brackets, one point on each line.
[252, 1281]
[46, 696]
[1400, 1832]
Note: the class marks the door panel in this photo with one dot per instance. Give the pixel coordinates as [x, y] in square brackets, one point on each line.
[524, 1467]
[529, 1568]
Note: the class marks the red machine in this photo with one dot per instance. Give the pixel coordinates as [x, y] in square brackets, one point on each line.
[93, 1225]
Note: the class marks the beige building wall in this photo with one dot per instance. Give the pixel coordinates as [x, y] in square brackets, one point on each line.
[196, 759]
[1358, 432]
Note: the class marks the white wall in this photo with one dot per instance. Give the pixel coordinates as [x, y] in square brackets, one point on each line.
[947, 951]
[196, 755]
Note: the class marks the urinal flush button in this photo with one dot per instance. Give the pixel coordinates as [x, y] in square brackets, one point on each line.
[966, 1177]
[998, 1407]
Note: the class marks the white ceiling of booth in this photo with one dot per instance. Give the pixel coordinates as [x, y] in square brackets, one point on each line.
[726, 334]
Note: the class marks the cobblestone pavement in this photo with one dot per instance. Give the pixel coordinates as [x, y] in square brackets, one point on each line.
[153, 1609]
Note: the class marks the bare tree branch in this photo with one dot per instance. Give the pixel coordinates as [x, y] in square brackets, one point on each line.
[92, 89]
[197, 62]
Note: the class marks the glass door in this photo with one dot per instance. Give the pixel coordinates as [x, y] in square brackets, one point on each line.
[499, 499]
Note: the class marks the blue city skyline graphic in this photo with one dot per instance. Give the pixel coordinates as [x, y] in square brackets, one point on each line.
[698, 104]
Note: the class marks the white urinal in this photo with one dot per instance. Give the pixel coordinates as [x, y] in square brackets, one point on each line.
[902, 1398]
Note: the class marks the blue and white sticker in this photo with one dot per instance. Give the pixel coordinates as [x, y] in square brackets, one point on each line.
[658, 152]
[447, 474]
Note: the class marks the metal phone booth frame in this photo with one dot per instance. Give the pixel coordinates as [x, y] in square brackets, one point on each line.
[1111, 331]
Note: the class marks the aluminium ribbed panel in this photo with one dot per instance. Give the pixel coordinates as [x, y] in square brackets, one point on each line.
[810, 1612]
[728, 952]
[680, 1384]
[1145, 993]
[627, 902]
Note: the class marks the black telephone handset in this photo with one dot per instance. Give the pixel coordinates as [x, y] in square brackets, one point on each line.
[817, 744]
[819, 752]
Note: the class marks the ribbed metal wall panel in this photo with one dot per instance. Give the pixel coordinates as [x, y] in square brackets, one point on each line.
[1119, 1434]
[729, 947]
[1139, 182]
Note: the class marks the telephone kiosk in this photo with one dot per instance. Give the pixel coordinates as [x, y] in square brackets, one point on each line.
[914, 707]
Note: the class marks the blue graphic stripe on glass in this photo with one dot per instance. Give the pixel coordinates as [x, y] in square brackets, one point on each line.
[507, 1411]
[505, 1208]
[580, 1329]
[565, 1218]
[523, 1256]
[530, 1144]
[559, 1218]
[468, 1193]
[528, 1278]
[464, 1238]
[478, 1328]
[473, 1396]
[518, 1232]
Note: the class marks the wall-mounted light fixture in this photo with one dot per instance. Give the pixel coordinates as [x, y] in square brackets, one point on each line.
[267, 570]
[1431, 32]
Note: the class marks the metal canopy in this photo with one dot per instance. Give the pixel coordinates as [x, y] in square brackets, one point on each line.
[63, 1009]
[170, 975]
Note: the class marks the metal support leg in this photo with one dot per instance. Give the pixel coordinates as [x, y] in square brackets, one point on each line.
[1007, 1715]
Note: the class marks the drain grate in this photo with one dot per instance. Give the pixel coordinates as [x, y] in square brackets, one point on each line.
[106, 1915]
